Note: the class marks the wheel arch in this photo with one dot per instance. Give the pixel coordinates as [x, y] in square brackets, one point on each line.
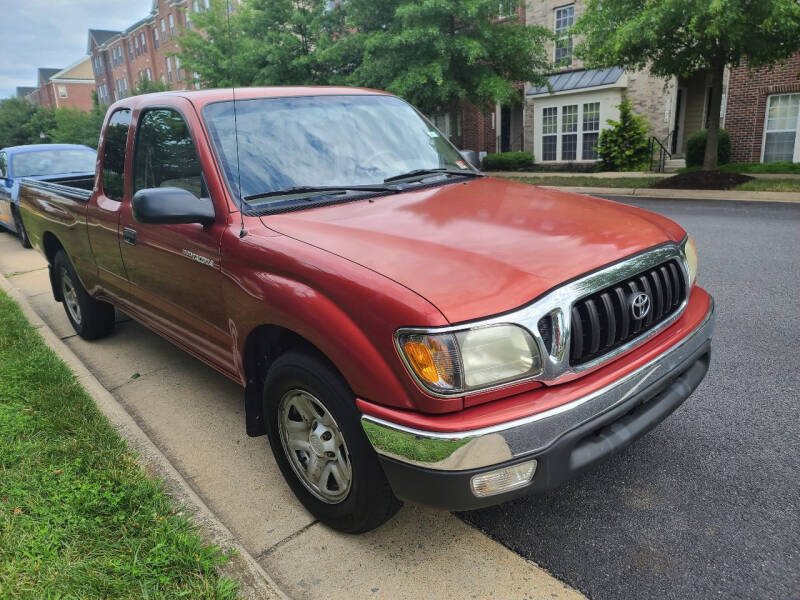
[50, 247]
[263, 345]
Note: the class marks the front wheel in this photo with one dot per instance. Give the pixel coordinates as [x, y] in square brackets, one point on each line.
[90, 318]
[318, 443]
[22, 233]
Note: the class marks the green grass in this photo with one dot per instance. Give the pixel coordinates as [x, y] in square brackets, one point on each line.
[770, 185]
[775, 167]
[79, 518]
[588, 181]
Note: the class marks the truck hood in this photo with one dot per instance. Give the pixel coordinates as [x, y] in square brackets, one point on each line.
[482, 247]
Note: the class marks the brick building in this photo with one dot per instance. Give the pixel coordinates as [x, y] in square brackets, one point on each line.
[762, 113]
[70, 87]
[561, 122]
[122, 59]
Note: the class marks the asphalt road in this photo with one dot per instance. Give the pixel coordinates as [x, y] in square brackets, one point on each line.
[707, 505]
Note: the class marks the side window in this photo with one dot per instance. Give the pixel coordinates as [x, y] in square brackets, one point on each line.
[3, 171]
[165, 154]
[114, 154]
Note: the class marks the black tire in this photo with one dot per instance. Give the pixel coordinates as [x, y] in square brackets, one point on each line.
[22, 233]
[370, 500]
[91, 319]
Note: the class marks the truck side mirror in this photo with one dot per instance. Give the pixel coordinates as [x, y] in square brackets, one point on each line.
[171, 206]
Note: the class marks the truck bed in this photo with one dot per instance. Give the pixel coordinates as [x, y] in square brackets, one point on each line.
[76, 188]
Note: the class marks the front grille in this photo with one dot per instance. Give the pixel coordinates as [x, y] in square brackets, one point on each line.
[604, 321]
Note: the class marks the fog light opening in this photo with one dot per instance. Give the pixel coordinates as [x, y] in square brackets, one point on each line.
[503, 480]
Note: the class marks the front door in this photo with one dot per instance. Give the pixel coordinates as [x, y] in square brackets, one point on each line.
[677, 128]
[174, 270]
[505, 129]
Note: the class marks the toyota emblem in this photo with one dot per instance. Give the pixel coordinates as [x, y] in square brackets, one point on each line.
[640, 305]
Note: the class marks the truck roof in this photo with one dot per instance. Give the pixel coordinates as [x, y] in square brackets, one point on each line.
[202, 97]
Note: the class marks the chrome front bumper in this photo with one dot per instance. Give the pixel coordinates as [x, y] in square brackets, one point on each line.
[533, 435]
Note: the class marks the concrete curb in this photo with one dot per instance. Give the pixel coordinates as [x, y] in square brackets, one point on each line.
[255, 583]
[787, 197]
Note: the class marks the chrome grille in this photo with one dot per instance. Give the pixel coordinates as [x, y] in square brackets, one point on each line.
[604, 320]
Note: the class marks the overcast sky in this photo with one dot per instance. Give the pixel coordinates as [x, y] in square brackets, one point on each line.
[52, 33]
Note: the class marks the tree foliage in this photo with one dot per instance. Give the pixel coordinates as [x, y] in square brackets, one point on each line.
[431, 52]
[684, 37]
[623, 146]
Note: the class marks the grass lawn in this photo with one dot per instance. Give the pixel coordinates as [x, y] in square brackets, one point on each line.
[79, 518]
[757, 185]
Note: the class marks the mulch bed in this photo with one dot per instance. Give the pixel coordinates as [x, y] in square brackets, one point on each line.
[702, 180]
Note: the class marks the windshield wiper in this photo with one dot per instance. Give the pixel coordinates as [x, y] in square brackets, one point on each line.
[417, 172]
[306, 189]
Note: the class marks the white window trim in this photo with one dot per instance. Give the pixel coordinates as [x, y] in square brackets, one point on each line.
[563, 35]
[796, 154]
[560, 132]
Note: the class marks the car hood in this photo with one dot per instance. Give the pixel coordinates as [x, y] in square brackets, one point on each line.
[481, 247]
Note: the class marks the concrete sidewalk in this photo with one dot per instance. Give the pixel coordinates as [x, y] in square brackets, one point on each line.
[195, 417]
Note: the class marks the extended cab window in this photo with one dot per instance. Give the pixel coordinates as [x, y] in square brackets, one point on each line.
[114, 154]
[165, 154]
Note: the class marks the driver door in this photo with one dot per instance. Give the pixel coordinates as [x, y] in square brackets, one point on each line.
[174, 270]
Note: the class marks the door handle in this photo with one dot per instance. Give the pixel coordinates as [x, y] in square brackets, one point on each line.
[129, 236]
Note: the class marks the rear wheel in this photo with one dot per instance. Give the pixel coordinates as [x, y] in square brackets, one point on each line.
[22, 233]
[90, 318]
[316, 437]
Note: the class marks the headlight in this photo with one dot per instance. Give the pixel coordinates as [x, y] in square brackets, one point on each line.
[691, 258]
[468, 360]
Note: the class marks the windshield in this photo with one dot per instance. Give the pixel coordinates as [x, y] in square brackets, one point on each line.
[316, 141]
[53, 162]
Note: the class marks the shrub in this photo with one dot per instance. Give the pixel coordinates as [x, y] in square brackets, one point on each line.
[508, 161]
[623, 146]
[696, 148]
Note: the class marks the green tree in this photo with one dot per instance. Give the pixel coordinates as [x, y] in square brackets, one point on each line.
[683, 37]
[262, 42]
[436, 53]
[74, 126]
[147, 86]
[15, 122]
[623, 146]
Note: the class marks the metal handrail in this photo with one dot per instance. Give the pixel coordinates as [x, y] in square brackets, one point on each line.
[663, 154]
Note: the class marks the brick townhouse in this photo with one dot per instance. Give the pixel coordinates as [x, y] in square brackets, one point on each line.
[561, 123]
[763, 113]
[122, 59]
[69, 87]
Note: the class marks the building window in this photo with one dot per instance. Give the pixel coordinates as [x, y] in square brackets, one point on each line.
[196, 77]
[148, 74]
[549, 133]
[156, 43]
[169, 69]
[163, 30]
[780, 130]
[591, 130]
[569, 132]
[564, 19]
[143, 39]
[448, 124]
[130, 50]
[507, 9]
[178, 68]
[62, 91]
[136, 46]
[171, 24]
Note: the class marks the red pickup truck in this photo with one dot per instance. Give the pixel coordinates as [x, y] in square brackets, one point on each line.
[402, 326]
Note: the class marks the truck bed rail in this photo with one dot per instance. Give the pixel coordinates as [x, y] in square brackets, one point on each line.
[74, 193]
